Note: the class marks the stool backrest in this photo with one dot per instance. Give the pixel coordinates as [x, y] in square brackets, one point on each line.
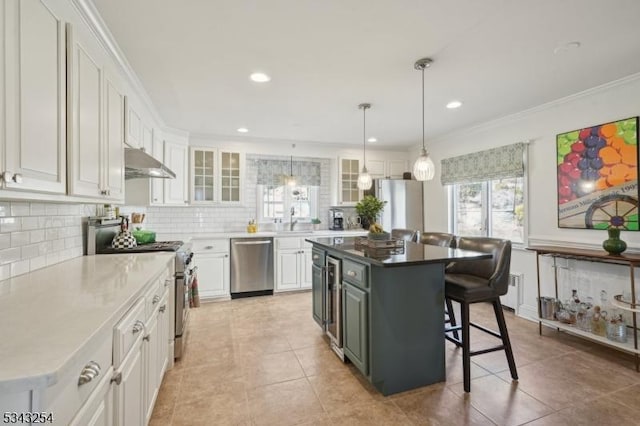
[404, 234]
[495, 270]
[441, 239]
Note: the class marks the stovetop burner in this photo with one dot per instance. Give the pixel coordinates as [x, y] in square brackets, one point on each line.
[157, 246]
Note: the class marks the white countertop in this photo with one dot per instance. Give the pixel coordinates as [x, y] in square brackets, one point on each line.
[48, 315]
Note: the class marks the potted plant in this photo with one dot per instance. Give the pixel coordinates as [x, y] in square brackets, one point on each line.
[316, 223]
[369, 209]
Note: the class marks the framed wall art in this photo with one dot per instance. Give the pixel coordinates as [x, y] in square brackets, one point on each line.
[598, 176]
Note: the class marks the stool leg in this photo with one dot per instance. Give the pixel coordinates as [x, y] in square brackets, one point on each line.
[452, 317]
[466, 346]
[502, 325]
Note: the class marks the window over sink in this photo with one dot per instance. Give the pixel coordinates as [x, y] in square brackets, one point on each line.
[277, 202]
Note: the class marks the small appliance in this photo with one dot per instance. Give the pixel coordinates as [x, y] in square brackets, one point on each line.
[336, 219]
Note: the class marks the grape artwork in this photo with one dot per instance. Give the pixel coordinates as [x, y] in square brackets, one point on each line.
[598, 176]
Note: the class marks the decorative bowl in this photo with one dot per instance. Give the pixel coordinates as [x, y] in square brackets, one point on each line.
[379, 236]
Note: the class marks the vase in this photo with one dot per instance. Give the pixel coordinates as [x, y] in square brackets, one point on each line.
[614, 245]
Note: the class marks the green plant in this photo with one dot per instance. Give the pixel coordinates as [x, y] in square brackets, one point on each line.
[316, 221]
[370, 207]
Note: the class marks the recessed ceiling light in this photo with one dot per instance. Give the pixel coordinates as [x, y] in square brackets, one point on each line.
[259, 77]
[454, 104]
[243, 129]
[372, 140]
[561, 48]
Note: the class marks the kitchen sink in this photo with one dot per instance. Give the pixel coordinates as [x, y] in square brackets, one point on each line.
[295, 232]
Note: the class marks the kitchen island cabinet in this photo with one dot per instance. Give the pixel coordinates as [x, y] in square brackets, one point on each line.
[392, 309]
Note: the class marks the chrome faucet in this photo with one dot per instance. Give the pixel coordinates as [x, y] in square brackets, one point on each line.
[292, 222]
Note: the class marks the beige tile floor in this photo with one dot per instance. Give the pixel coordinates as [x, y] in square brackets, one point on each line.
[264, 361]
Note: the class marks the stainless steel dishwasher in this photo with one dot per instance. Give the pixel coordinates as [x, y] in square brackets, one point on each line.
[251, 267]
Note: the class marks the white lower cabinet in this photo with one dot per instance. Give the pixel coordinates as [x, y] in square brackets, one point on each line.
[129, 389]
[151, 351]
[212, 260]
[293, 264]
[98, 410]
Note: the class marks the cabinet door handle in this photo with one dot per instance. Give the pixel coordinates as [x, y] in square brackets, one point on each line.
[117, 379]
[162, 308]
[104, 192]
[155, 200]
[88, 373]
[351, 273]
[147, 338]
[226, 255]
[17, 178]
[155, 300]
[138, 327]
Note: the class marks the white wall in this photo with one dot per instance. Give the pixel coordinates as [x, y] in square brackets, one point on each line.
[614, 101]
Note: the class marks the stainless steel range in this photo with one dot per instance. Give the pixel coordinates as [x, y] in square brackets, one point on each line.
[100, 233]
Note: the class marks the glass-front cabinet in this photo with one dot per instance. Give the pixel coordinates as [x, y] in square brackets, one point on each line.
[348, 182]
[216, 176]
[230, 171]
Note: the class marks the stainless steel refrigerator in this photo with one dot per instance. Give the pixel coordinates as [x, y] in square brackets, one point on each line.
[404, 203]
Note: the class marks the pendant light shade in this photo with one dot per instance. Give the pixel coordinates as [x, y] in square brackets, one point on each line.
[423, 168]
[364, 178]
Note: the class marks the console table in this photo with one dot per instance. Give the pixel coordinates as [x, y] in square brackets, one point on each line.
[598, 256]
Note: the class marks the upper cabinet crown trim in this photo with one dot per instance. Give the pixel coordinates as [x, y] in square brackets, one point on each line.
[96, 24]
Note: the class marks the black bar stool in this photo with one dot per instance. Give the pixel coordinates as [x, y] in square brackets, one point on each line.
[479, 281]
[443, 239]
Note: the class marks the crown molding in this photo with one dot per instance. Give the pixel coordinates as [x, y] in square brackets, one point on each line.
[98, 27]
[507, 119]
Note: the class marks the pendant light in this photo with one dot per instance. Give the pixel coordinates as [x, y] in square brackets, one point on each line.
[290, 180]
[364, 178]
[423, 168]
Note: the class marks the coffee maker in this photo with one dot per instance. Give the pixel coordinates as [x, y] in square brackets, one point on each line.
[336, 219]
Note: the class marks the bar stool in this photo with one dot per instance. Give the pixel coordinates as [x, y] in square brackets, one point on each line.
[443, 239]
[479, 281]
[404, 234]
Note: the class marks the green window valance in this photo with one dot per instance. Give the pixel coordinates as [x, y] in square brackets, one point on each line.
[496, 163]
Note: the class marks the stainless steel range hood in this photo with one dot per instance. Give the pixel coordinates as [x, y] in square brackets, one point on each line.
[139, 164]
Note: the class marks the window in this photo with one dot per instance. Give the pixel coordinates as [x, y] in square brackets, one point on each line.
[276, 202]
[492, 208]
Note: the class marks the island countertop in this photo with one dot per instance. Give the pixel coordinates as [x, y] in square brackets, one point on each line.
[410, 254]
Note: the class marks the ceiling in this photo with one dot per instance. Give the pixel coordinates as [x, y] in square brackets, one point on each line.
[325, 57]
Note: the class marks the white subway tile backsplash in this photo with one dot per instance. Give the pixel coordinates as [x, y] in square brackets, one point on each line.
[19, 239]
[20, 209]
[5, 241]
[10, 224]
[35, 235]
[9, 255]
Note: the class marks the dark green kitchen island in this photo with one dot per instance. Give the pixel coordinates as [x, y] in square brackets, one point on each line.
[390, 308]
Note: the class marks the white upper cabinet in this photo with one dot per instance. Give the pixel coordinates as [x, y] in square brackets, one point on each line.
[34, 101]
[147, 139]
[348, 170]
[386, 169]
[96, 105]
[216, 176]
[113, 165]
[203, 178]
[134, 129]
[175, 190]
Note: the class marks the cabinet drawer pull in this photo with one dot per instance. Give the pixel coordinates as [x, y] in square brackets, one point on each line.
[117, 379]
[155, 300]
[88, 373]
[162, 308]
[147, 338]
[351, 273]
[208, 247]
[138, 327]
[17, 178]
